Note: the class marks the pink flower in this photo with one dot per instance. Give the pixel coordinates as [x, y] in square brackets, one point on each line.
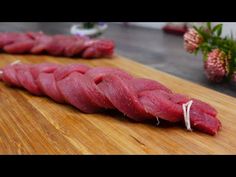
[192, 40]
[216, 66]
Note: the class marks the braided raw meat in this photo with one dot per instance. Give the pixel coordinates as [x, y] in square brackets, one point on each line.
[57, 45]
[94, 89]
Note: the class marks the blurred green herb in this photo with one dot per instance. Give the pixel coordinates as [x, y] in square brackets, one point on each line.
[89, 25]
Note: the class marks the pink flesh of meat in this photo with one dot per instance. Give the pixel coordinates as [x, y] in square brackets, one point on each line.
[35, 35]
[5, 38]
[98, 48]
[41, 44]
[157, 103]
[47, 84]
[67, 45]
[16, 42]
[75, 93]
[120, 96]
[39, 48]
[68, 69]
[26, 80]
[8, 38]
[9, 76]
[94, 89]
[204, 122]
[74, 48]
[140, 84]
[19, 47]
[57, 45]
[43, 68]
[105, 46]
[204, 107]
[98, 73]
[91, 52]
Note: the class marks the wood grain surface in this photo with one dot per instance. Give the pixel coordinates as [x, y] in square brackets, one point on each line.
[37, 125]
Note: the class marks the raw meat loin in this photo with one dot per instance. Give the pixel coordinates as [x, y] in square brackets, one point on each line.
[48, 85]
[10, 38]
[56, 45]
[93, 89]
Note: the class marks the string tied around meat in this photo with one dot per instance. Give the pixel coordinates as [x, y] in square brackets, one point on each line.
[158, 121]
[15, 62]
[186, 109]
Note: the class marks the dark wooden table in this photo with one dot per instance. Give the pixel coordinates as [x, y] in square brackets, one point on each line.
[151, 47]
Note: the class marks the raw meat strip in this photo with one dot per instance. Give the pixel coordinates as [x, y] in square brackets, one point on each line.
[48, 85]
[56, 45]
[9, 38]
[94, 89]
[43, 68]
[19, 47]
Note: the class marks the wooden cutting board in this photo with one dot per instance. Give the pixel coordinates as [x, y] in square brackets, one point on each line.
[37, 125]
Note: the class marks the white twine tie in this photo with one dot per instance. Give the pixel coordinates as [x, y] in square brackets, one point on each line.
[186, 109]
[15, 62]
[158, 121]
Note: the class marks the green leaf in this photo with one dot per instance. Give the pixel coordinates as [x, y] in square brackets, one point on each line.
[209, 25]
[217, 29]
[196, 51]
[195, 28]
[200, 32]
